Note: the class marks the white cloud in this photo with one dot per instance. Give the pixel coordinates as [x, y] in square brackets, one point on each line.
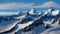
[8, 13]
[48, 4]
[15, 5]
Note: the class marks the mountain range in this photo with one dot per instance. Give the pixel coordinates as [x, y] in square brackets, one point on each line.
[31, 22]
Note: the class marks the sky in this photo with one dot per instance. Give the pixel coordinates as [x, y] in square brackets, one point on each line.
[26, 5]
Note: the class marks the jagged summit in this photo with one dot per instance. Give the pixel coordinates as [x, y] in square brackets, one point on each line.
[32, 11]
[52, 12]
[51, 9]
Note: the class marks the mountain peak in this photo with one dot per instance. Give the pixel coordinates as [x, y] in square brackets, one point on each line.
[51, 9]
[32, 11]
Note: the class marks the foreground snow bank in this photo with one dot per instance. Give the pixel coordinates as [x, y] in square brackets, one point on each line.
[52, 31]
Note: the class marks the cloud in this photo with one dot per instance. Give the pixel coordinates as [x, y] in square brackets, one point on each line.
[28, 5]
[15, 5]
[48, 4]
[8, 13]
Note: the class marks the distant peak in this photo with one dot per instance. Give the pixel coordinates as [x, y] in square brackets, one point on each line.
[51, 8]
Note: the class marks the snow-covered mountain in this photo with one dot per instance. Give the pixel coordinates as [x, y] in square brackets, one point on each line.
[52, 12]
[31, 22]
[32, 11]
[5, 26]
[55, 13]
[21, 17]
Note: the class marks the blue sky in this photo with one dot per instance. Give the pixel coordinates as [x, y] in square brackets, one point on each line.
[28, 1]
[28, 4]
